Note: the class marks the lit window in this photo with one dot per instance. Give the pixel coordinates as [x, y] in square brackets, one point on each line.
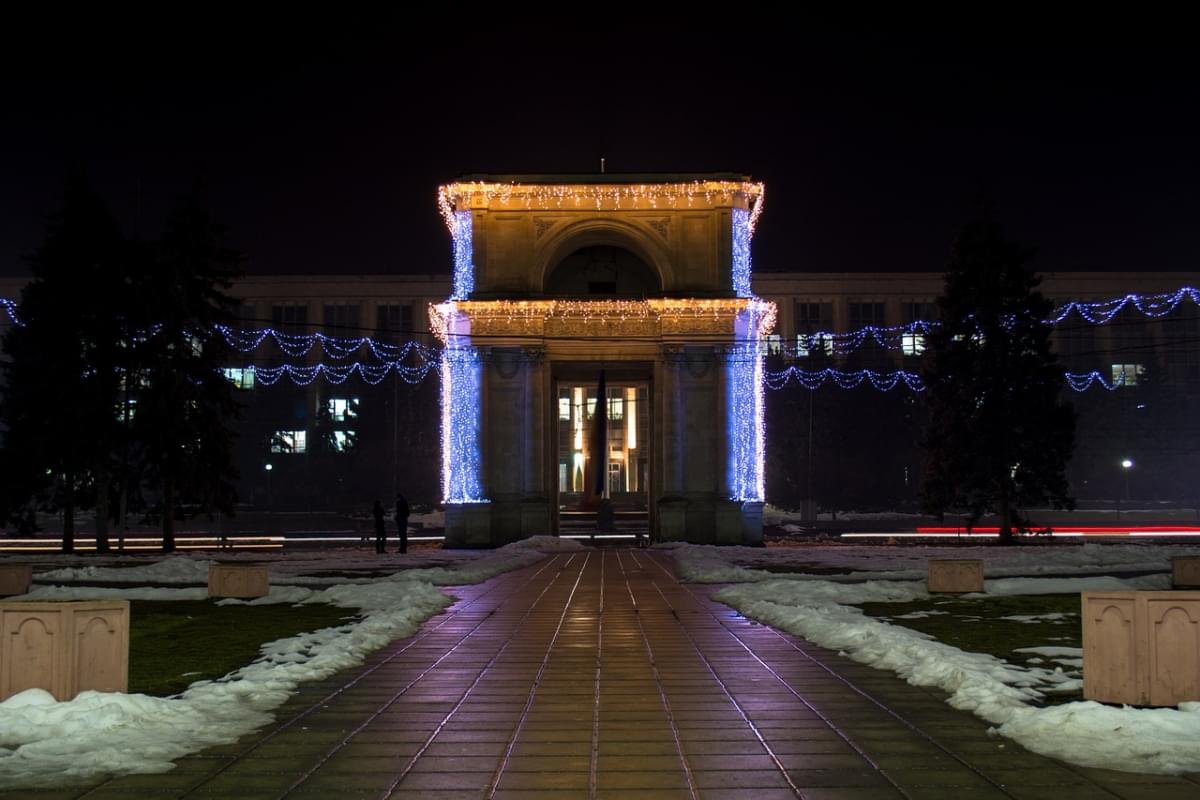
[343, 408]
[1127, 374]
[289, 442]
[343, 441]
[125, 413]
[591, 407]
[912, 344]
[809, 343]
[774, 344]
[564, 409]
[241, 377]
[615, 408]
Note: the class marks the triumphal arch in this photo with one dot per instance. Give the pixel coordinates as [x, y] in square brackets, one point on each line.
[602, 339]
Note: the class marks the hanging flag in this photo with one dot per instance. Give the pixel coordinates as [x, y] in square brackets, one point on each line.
[595, 470]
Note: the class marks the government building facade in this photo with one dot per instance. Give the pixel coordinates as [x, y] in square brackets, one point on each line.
[646, 280]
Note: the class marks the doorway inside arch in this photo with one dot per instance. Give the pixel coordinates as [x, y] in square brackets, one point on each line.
[627, 453]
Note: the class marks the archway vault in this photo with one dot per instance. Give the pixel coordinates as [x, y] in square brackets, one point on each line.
[625, 234]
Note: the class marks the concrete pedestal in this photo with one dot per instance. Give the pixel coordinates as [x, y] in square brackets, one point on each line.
[955, 576]
[64, 648]
[1141, 648]
[15, 579]
[243, 581]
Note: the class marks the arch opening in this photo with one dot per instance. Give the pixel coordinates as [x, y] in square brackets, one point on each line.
[602, 272]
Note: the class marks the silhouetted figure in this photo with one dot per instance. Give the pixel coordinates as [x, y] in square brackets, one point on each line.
[402, 521]
[380, 533]
[605, 517]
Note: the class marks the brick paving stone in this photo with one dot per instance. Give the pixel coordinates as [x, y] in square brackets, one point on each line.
[598, 675]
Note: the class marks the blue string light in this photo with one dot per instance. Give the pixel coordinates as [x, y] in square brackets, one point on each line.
[742, 233]
[891, 337]
[896, 337]
[1082, 381]
[886, 381]
[1101, 312]
[338, 374]
[462, 416]
[745, 418]
[464, 268]
[10, 308]
[814, 379]
[299, 345]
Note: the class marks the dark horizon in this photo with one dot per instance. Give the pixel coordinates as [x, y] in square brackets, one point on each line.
[322, 149]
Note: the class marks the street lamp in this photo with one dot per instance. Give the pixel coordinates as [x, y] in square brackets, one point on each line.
[267, 468]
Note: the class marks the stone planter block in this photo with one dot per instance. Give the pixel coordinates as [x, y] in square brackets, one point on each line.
[65, 648]
[955, 576]
[238, 580]
[15, 579]
[1185, 572]
[1141, 648]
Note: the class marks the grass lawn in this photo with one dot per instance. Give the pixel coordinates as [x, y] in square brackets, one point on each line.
[173, 644]
[977, 625]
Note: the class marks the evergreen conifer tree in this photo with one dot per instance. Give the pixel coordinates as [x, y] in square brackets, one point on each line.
[999, 434]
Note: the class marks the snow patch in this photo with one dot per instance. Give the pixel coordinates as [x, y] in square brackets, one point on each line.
[47, 743]
[1087, 733]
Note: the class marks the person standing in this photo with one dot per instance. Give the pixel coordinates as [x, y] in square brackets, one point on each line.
[402, 521]
[380, 533]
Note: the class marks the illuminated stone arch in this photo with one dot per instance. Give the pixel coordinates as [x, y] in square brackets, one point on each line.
[566, 240]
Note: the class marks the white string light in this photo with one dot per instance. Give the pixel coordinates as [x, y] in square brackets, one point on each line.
[455, 197]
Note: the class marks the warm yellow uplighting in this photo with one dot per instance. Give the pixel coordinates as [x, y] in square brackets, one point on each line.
[631, 418]
[460, 196]
[442, 315]
[578, 403]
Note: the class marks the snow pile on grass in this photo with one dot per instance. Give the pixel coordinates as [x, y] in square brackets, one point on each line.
[910, 562]
[105, 592]
[704, 564]
[1094, 583]
[1087, 733]
[45, 743]
[178, 569]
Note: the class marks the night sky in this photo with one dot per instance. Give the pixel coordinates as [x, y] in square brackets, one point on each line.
[322, 142]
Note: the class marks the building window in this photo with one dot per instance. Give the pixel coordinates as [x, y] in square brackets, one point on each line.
[615, 484]
[564, 409]
[1127, 374]
[394, 322]
[342, 320]
[863, 315]
[241, 377]
[289, 442]
[912, 343]
[125, 412]
[616, 407]
[343, 408]
[811, 319]
[290, 318]
[774, 344]
[344, 440]
[919, 311]
[563, 486]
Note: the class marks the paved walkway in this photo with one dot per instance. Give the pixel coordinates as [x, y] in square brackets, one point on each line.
[598, 674]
